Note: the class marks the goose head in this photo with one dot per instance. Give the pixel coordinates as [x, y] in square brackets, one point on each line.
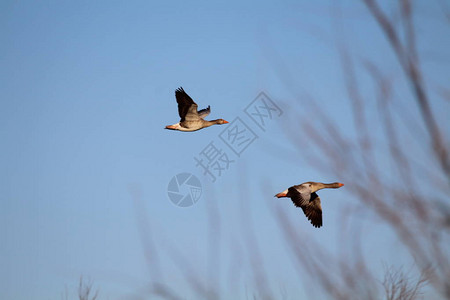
[220, 121]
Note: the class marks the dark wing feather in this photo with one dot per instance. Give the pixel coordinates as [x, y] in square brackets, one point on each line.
[313, 211]
[309, 203]
[299, 199]
[184, 102]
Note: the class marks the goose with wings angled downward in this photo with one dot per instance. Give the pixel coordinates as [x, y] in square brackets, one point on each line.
[191, 119]
[304, 196]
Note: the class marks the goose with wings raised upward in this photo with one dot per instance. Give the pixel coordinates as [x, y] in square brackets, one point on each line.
[191, 118]
[304, 196]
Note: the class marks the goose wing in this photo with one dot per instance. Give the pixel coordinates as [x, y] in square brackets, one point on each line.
[309, 203]
[313, 211]
[187, 108]
[299, 196]
[204, 112]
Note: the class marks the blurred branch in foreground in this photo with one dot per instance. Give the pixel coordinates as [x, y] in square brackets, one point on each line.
[408, 59]
[380, 170]
[85, 291]
[398, 286]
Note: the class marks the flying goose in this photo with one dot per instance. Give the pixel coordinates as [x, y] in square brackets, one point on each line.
[191, 118]
[304, 196]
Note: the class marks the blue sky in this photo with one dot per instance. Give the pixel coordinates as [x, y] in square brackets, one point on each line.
[86, 89]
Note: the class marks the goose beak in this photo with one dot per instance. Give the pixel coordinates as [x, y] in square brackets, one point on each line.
[341, 184]
[225, 122]
[280, 195]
